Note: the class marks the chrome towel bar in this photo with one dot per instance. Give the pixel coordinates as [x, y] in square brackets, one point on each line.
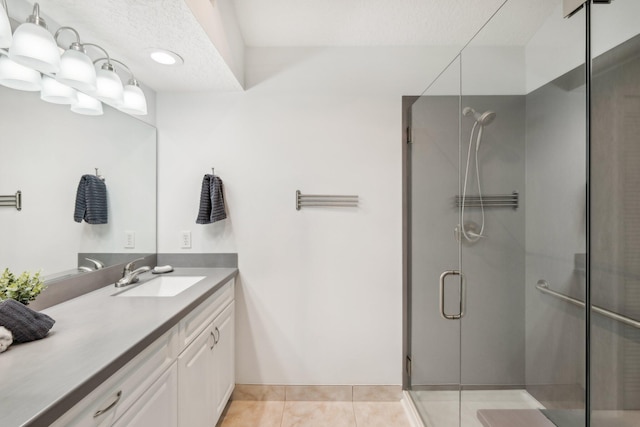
[543, 286]
[319, 200]
[490, 201]
[14, 200]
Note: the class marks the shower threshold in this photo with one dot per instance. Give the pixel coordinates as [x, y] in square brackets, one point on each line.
[443, 408]
[506, 408]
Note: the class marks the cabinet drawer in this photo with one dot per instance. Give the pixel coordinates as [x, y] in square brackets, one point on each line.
[158, 406]
[113, 397]
[196, 321]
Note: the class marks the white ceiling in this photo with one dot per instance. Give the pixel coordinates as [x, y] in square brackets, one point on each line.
[361, 22]
[128, 28]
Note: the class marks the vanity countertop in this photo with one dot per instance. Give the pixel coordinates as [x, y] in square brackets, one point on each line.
[94, 335]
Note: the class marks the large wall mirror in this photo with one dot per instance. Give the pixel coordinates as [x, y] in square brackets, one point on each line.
[45, 149]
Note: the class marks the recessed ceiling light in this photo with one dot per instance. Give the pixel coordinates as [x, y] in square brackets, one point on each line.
[165, 57]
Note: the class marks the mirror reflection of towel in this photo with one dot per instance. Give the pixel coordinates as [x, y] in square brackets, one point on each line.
[91, 201]
[212, 207]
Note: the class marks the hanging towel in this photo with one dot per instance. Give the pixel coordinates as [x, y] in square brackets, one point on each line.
[25, 324]
[91, 201]
[212, 207]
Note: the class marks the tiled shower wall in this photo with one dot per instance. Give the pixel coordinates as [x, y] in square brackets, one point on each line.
[492, 340]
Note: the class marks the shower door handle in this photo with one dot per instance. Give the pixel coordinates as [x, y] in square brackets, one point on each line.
[443, 276]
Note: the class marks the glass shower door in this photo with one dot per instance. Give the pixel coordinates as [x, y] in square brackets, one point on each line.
[435, 301]
[497, 235]
[523, 175]
[615, 214]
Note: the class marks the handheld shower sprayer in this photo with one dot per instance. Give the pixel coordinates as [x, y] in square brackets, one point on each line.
[481, 120]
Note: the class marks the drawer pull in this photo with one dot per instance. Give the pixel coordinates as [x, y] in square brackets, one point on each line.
[218, 338]
[114, 403]
[214, 340]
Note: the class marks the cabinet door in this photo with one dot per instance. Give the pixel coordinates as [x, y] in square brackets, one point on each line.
[158, 406]
[195, 382]
[224, 357]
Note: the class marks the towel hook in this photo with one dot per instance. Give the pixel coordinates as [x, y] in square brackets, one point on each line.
[211, 171]
[100, 177]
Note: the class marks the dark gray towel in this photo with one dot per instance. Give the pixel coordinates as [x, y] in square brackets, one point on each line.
[212, 207]
[91, 201]
[25, 324]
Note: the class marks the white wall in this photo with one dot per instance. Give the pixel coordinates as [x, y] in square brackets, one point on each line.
[319, 295]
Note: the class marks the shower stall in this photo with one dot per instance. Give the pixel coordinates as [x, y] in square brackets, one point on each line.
[522, 223]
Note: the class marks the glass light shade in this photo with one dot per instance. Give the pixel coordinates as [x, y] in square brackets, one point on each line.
[5, 29]
[19, 77]
[108, 87]
[77, 70]
[33, 46]
[87, 105]
[134, 101]
[57, 93]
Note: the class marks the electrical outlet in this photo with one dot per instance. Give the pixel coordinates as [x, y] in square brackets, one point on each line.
[186, 240]
[129, 239]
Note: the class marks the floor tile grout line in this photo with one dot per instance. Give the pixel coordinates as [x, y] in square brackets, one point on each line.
[284, 402]
[353, 408]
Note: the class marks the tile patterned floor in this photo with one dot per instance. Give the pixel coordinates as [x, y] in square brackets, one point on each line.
[313, 414]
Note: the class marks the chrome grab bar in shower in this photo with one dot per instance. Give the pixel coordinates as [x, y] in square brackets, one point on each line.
[443, 276]
[543, 286]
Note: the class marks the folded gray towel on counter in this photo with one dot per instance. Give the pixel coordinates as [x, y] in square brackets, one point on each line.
[212, 206]
[25, 324]
[91, 201]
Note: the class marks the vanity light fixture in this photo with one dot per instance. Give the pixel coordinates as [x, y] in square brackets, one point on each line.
[5, 26]
[87, 105]
[16, 76]
[57, 93]
[133, 99]
[165, 57]
[33, 45]
[76, 68]
[109, 87]
[68, 79]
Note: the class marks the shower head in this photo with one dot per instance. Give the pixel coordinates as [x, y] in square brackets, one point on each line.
[483, 119]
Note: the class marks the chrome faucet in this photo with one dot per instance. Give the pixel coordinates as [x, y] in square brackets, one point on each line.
[99, 265]
[130, 277]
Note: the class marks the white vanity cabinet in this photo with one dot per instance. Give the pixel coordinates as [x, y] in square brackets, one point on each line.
[183, 379]
[121, 392]
[206, 372]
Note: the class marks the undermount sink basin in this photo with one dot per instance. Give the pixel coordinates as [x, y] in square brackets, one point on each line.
[163, 286]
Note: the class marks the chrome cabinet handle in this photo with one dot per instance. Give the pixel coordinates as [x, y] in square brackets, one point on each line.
[218, 332]
[462, 293]
[114, 403]
[214, 340]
